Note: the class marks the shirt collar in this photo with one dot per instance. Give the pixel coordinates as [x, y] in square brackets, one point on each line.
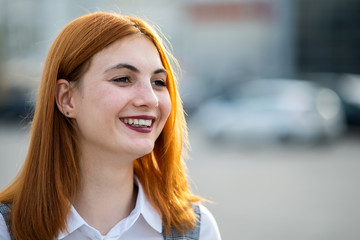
[149, 213]
[142, 206]
[74, 221]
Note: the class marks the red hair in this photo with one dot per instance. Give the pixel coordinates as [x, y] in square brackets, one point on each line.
[41, 193]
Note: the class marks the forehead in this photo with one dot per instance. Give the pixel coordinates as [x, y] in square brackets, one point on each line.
[137, 50]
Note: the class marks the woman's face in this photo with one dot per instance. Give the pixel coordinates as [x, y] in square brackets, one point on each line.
[122, 102]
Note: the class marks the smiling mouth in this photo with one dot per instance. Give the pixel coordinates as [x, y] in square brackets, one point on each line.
[137, 122]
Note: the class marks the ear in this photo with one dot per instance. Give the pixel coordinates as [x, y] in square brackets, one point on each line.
[64, 98]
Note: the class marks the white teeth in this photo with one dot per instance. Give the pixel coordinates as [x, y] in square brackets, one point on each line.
[137, 122]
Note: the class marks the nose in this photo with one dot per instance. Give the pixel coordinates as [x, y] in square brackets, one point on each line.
[145, 95]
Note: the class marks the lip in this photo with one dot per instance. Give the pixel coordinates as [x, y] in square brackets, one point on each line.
[140, 129]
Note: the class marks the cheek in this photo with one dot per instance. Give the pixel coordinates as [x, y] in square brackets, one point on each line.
[166, 105]
[108, 97]
[101, 103]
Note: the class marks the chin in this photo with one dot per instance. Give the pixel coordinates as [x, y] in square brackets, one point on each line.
[143, 150]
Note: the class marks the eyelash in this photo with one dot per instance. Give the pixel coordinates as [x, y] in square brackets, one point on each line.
[126, 80]
[122, 80]
[159, 83]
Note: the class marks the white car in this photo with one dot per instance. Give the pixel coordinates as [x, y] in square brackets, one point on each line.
[264, 110]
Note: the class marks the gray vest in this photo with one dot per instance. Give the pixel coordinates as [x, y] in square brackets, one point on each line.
[174, 234]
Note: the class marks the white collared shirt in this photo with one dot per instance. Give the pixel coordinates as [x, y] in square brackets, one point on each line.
[143, 223]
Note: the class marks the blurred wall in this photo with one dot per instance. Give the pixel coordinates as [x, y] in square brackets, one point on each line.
[217, 42]
[328, 36]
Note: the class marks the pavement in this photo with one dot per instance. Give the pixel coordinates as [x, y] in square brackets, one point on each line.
[259, 192]
[280, 192]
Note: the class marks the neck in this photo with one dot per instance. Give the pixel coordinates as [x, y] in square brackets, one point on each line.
[107, 194]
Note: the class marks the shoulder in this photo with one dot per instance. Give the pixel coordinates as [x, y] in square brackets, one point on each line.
[209, 229]
[4, 233]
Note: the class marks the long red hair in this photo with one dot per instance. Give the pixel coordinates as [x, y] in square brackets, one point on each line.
[48, 182]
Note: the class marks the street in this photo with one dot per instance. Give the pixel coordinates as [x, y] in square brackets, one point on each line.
[280, 193]
[283, 192]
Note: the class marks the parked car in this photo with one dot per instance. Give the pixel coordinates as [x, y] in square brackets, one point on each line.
[347, 86]
[16, 104]
[280, 110]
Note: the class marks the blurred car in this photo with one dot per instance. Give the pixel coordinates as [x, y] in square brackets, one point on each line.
[278, 110]
[347, 86]
[16, 104]
[349, 92]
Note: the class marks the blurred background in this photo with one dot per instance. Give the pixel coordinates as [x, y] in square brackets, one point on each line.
[272, 94]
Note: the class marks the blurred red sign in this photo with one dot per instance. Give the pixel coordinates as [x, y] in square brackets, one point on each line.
[231, 11]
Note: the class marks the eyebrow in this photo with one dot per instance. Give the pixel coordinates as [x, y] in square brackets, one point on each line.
[160, 70]
[133, 68]
[123, 65]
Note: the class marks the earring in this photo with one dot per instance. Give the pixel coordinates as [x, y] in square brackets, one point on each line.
[67, 113]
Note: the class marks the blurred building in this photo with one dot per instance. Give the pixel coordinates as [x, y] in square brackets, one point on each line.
[218, 43]
[328, 36]
[226, 42]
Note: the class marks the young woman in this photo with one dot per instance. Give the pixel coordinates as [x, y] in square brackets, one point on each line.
[104, 160]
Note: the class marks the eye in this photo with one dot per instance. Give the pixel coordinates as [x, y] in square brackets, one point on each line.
[124, 79]
[159, 83]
